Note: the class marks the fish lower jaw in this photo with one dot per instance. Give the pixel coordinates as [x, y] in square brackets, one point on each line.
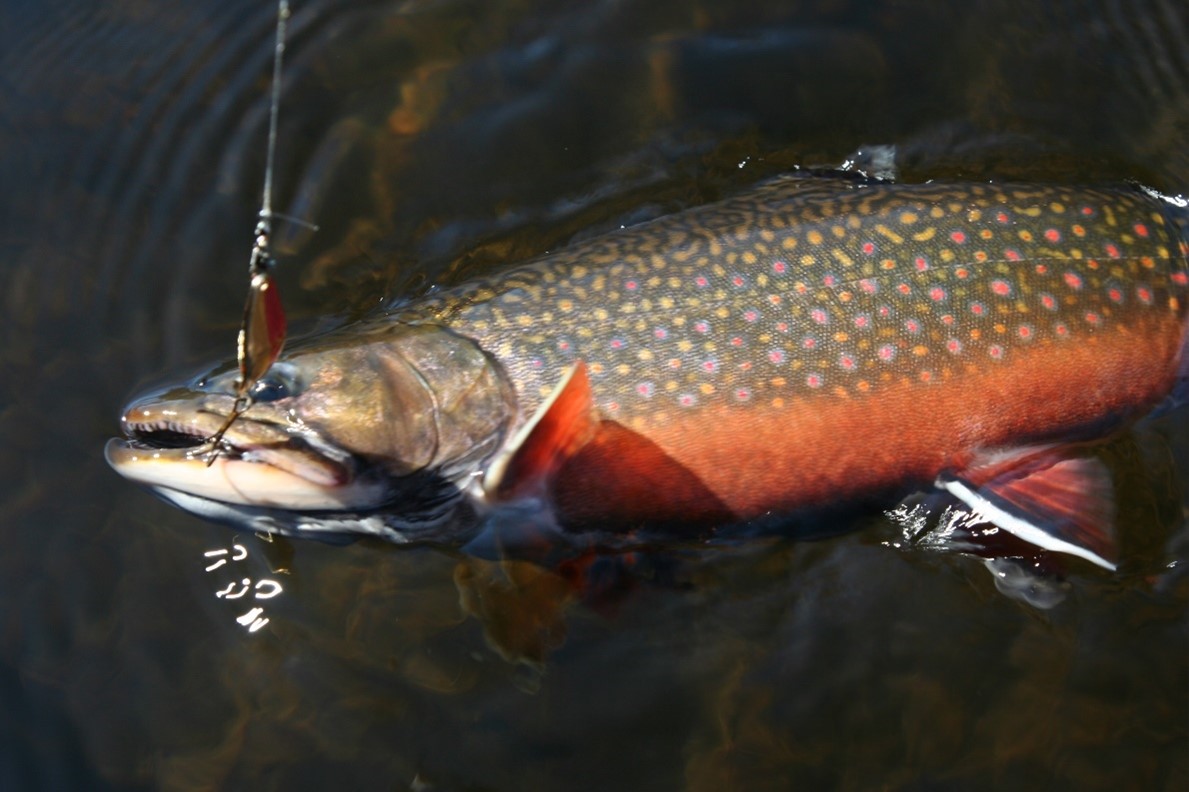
[231, 478]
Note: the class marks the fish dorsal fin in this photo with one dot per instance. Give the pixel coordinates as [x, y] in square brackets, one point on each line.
[561, 425]
[1047, 496]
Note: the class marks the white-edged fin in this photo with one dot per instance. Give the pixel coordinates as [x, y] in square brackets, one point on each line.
[1064, 504]
[561, 425]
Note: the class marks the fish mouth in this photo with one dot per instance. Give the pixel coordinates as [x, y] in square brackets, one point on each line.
[257, 463]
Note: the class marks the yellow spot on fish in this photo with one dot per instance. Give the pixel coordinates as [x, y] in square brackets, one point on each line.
[937, 213]
[925, 235]
[884, 231]
[838, 231]
[841, 338]
[524, 320]
[777, 382]
[600, 314]
[578, 272]
[920, 350]
[1025, 235]
[597, 368]
[1030, 211]
[808, 260]
[814, 237]
[778, 402]
[973, 215]
[788, 243]
[644, 354]
[1056, 207]
[623, 369]
[706, 388]
[908, 218]
[863, 386]
[565, 305]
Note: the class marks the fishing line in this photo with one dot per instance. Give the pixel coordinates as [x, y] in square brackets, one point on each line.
[262, 330]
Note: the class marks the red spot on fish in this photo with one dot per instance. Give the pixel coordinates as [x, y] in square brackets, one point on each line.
[962, 273]
[1041, 269]
[617, 343]
[1048, 301]
[926, 376]
[537, 363]
[612, 406]
[709, 365]
[959, 237]
[1001, 288]
[1073, 280]
[779, 267]
[869, 248]
[1179, 278]
[751, 315]
[829, 280]
[937, 294]
[1011, 254]
[862, 321]
[644, 389]
[660, 333]
[782, 327]
[1002, 217]
[1053, 235]
[1141, 229]
[1093, 318]
[814, 380]
[631, 285]
[886, 352]
[774, 299]
[953, 345]
[1087, 211]
[921, 264]
[745, 365]
[1092, 263]
[978, 309]
[686, 400]
[1061, 330]
[809, 342]
[701, 282]
[1112, 251]
[819, 316]
[995, 351]
[912, 326]
[564, 346]
[736, 341]
[1115, 295]
[947, 320]
[904, 288]
[737, 281]
[1144, 294]
[868, 286]
[847, 362]
[885, 311]
[980, 256]
[742, 394]
[776, 356]
[800, 288]
[1079, 230]
[1025, 332]
[702, 327]
[674, 363]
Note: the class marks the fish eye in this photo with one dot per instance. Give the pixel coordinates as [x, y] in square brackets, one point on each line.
[279, 382]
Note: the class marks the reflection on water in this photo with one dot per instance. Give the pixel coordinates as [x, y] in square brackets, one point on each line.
[431, 141]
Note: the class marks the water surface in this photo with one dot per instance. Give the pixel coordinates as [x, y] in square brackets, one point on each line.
[433, 140]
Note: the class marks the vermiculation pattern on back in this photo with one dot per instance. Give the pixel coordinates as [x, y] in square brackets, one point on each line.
[810, 287]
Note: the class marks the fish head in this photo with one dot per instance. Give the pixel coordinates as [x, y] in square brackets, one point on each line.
[357, 420]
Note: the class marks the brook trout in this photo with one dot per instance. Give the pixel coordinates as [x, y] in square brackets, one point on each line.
[810, 343]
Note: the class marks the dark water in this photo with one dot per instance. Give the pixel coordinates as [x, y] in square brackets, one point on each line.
[435, 139]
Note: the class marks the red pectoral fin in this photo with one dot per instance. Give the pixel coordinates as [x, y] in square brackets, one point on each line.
[560, 427]
[1051, 497]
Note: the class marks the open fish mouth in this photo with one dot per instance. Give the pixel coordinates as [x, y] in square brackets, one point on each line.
[257, 463]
